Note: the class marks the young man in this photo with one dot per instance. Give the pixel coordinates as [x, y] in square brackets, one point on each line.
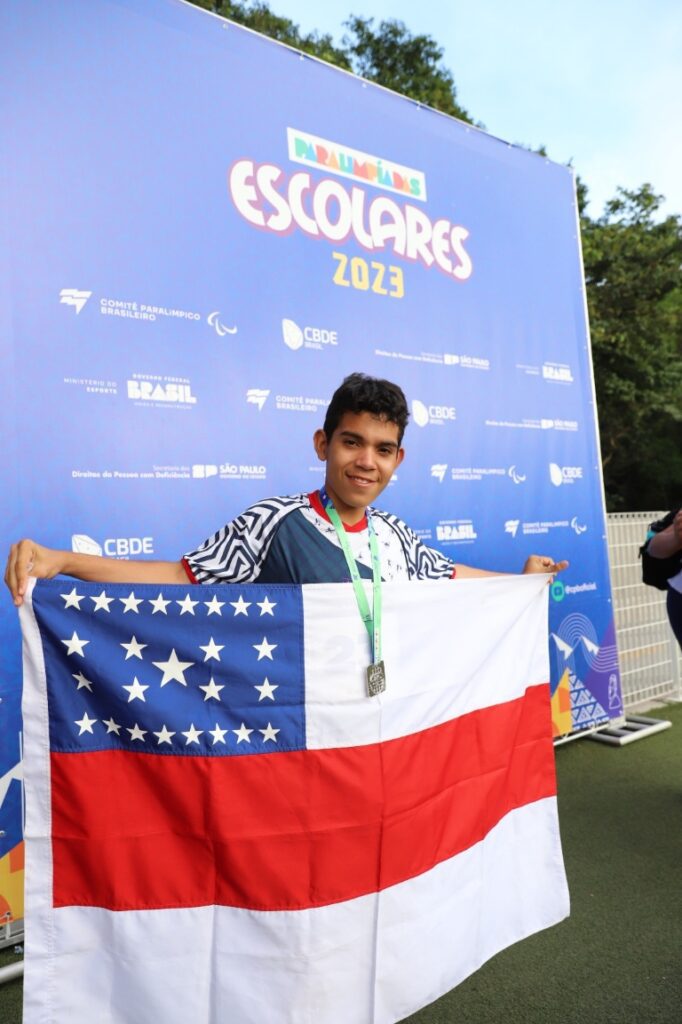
[305, 538]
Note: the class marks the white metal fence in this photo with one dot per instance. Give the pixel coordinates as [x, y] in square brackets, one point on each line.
[649, 655]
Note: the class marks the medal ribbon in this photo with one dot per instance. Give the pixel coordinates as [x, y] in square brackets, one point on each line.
[372, 622]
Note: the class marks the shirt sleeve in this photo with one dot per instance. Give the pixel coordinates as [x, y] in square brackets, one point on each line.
[423, 562]
[236, 552]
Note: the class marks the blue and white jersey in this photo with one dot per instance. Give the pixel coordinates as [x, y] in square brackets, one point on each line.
[291, 540]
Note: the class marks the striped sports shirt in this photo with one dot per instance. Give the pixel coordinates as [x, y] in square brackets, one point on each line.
[291, 540]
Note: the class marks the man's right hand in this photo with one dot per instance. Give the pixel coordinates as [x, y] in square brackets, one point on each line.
[30, 559]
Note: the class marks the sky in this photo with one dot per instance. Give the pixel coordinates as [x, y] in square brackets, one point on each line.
[597, 82]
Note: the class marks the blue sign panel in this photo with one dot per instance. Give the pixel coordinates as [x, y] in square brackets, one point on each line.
[205, 231]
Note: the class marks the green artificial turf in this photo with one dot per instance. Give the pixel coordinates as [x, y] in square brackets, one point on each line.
[618, 958]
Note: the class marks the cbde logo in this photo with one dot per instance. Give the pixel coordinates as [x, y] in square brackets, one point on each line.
[296, 337]
[433, 415]
[113, 547]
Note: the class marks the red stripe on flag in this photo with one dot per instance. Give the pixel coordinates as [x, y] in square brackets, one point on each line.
[290, 830]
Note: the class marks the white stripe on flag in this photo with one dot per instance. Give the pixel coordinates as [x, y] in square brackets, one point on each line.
[216, 964]
[449, 648]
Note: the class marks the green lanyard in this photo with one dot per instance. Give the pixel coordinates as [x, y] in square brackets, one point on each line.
[376, 678]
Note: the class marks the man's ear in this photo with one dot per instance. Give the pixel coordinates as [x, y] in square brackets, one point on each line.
[400, 457]
[320, 443]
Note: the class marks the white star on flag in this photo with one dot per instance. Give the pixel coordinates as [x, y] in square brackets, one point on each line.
[218, 734]
[112, 726]
[269, 734]
[264, 649]
[212, 650]
[159, 604]
[242, 733]
[212, 690]
[240, 606]
[192, 735]
[134, 649]
[266, 606]
[75, 645]
[72, 600]
[82, 682]
[136, 690]
[101, 602]
[187, 605]
[164, 735]
[214, 606]
[130, 602]
[266, 689]
[173, 669]
[136, 733]
[86, 724]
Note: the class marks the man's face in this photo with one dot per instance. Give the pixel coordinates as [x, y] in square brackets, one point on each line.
[361, 457]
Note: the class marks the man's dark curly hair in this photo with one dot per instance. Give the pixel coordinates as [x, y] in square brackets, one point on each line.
[360, 393]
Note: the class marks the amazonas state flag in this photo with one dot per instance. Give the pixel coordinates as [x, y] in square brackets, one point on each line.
[221, 825]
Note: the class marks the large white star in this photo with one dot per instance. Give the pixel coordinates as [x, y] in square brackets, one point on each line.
[134, 649]
[212, 690]
[135, 690]
[192, 735]
[112, 726]
[136, 733]
[264, 649]
[240, 606]
[266, 689]
[72, 600]
[86, 724]
[187, 605]
[218, 734]
[75, 645]
[130, 602]
[266, 606]
[164, 736]
[101, 602]
[242, 733]
[214, 606]
[159, 604]
[212, 650]
[173, 669]
[82, 682]
[269, 734]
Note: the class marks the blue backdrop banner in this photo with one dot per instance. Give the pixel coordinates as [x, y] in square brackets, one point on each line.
[203, 231]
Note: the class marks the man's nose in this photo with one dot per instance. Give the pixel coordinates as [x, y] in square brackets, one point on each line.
[366, 458]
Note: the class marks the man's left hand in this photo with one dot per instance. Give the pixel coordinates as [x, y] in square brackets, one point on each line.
[542, 563]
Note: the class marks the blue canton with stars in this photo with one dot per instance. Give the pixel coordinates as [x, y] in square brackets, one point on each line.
[195, 670]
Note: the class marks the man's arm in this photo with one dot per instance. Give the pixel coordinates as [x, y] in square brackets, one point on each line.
[534, 563]
[30, 559]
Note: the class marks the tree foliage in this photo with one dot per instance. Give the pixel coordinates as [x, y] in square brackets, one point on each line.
[632, 263]
[634, 292]
[411, 65]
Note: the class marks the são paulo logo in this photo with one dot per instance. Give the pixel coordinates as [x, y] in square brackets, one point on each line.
[432, 415]
[296, 337]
